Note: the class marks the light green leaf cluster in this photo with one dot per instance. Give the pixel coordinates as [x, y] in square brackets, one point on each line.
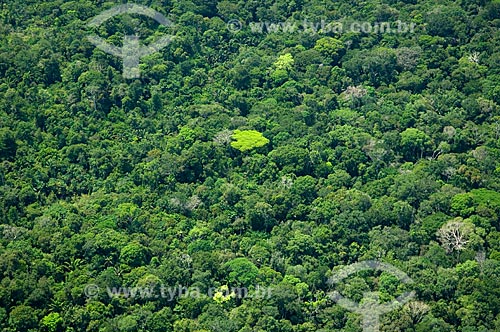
[248, 139]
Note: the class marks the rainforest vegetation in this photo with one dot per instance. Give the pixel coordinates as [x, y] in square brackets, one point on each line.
[244, 158]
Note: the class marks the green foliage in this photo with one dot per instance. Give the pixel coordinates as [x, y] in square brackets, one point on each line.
[376, 66]
[282, 67]
[8, 144]
[242, 272]
[284, 62]
[248, 139]
[22, 318]
[462, 204]
[415, 143]
[53, 322]
[480, 200]
[351, 146]
[133, 254]
[330, 47]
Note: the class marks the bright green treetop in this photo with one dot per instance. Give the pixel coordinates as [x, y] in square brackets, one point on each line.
[248, 139]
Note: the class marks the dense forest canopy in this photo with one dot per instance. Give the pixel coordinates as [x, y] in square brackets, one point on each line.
[243, 158]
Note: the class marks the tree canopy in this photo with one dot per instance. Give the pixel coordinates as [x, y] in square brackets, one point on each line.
[259, 152]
